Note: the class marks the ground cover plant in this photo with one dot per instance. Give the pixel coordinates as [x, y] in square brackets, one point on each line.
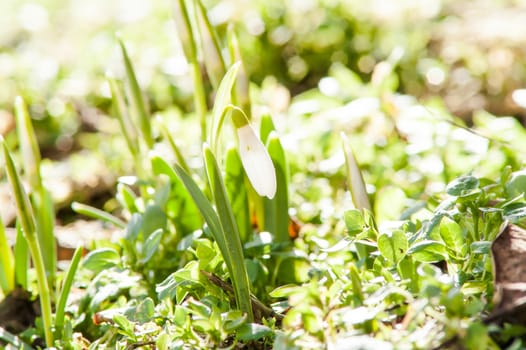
[349, 216]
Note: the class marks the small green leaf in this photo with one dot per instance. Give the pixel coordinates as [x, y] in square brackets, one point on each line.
[354, 221]
[151, 245]
[235, 322]
[462, 186]
[477, 337]
[134, 228]
[153, 219]
[101, 259]
[407, 270]
[125, 326]
[516, 184]
[393, 247]
[514, 212]
[205, 252]
[428, 251]
[252, 331]
[143, 312]
[480, 247]
[452, 235]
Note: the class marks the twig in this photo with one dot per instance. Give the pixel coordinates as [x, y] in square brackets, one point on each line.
[260, 310]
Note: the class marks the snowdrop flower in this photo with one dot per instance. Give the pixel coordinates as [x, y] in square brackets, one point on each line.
[256, 161]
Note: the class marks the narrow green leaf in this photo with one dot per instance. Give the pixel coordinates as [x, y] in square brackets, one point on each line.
[242, 89]
[237, 192]
[356, 283]
[355, 178]
[21, 255]
[66, 288]
[136, 99]
[203, 204]
[95, 213]
[234, 251]
[28, 144]
[213, 59]
[277, 208]
[181, 205]
[7, 268]
[44, 210]
[125, 122]
[184, 30]
[40, 198]
[222, 100]
[127, 198]
[177, 152]
[27, 219]
[284, 291]
[266, 127]
[24, 210]
[393, 246]
[12, 339]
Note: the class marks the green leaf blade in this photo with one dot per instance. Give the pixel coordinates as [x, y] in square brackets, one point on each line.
[137, 99]
[234, 250]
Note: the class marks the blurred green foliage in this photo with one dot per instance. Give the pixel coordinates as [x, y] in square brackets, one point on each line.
[55, 54]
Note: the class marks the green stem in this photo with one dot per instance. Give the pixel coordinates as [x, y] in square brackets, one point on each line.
[26, 218]
[199, 97]
[43, 289]
[476, 233]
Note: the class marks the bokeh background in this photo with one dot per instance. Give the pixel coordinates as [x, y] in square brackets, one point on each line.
[468, 55]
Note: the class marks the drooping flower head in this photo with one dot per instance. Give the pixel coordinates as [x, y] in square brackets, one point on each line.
[254, 156]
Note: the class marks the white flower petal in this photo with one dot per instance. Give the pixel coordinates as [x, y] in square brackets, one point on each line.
[256, 162]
